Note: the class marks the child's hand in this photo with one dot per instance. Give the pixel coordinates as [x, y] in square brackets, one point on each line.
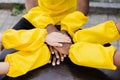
[64, 50]
[56, 39]
[56, 56]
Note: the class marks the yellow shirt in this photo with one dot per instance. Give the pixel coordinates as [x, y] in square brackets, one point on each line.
[57, 9]
[61, 12]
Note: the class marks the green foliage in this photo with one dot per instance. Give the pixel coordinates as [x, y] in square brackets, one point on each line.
[118, 12]
[18, 9]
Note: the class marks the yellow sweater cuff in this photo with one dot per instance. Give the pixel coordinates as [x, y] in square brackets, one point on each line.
[38, 18]
[92, 55]
[73, 22]
[102, 33]
[25, 40]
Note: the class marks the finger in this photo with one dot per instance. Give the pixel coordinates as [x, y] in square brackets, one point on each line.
[62, 35]
[56, 44]
[65, 55]
[61, 57]
[58, 61]
[56, 53]
[51, 49]
[50, 59]
[64, 40]
[65, 37]
[54, 61]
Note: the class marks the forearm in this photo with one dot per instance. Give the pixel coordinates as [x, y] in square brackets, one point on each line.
[73, 22]
[83, 6]
[51, 28]
[19, 39]
[30, 4]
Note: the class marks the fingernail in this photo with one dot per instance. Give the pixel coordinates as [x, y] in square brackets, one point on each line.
[53, 64]
[61, 45]
[62, 59]
[57, 57]
[58, 63]
[52, 52]
[65, 56]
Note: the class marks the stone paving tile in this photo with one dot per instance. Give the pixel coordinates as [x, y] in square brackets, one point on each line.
[7, 21]
[12, 1]
[3, 17]
[113, 17]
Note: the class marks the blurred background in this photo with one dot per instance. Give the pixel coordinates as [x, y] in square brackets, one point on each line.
[100, 11]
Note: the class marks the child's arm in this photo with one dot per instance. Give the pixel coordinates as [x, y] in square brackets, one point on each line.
[83, 6]
[24, 40]
[30, 4]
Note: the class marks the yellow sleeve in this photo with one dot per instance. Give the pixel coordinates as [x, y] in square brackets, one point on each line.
[73, 22]
[92, 55]
[38, 18]
[24, 40]
[102, 33]
[23, 61]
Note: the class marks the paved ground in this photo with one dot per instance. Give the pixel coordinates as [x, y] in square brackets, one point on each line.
[7, 21]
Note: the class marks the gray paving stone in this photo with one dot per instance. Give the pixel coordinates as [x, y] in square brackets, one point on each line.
[112, 17]
[7, 21]
[105, 5]
[12, 1]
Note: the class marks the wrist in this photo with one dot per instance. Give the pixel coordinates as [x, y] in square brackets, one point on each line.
[64, 31]
[51, 28]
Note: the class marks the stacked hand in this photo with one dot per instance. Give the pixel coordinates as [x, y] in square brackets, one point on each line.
[59, 43]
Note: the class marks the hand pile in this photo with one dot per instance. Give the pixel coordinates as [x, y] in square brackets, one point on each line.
[58, 43]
